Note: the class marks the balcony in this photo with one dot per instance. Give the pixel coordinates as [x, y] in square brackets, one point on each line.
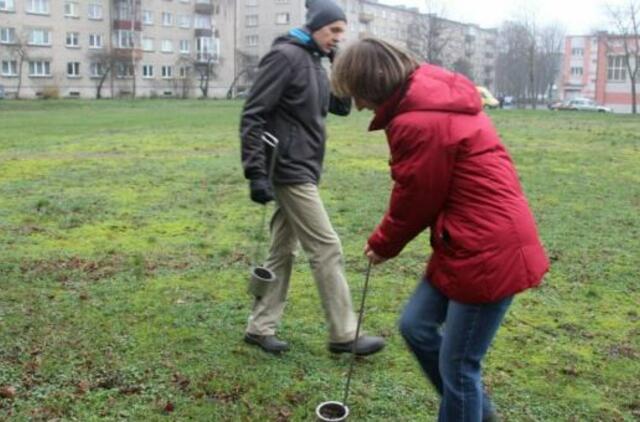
[126, 24]
[366, 17]
[204, 33]
[203, 8]
[206, 57]
[127, 54]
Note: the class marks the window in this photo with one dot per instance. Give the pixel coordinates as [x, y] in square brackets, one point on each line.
[184, 71]
[252, 40]
[124, 70]
[617, 68]
[282, 1]
[147, 44]
[73, 69]
[9, 68]
[96, 70]
[184, 21]
[167, 72]
[207, 49]
[40, 37]
[576, 71]
[71, 9]
[123, 11]
[95, 11]
[7, 35]
[251, 3]
[124, 39]
[38, 6]
[147, 71]
[7, 5]
[72, 39]
[578, 52]
[147, 17]
[167, 19]
[251, 20]
[167, 46]
[185, 1]
[95, 40]
[282, 18]
[202, 22]
[39, 68]
[184, 46]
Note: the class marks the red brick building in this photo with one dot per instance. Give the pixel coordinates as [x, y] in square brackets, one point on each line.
[594, 67]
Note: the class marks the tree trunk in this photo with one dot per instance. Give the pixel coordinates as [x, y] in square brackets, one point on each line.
[19, 77]
[634, 100]
[100, 84]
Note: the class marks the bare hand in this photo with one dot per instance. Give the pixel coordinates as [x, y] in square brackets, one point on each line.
[373, 257]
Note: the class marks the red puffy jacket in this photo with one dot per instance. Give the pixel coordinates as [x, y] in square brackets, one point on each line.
[453, 175]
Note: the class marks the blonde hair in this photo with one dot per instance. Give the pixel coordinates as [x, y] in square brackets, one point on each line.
[372, 70]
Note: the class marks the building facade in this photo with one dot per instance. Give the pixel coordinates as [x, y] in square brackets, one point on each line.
[183, 48]
[75, 48]
[594, 67]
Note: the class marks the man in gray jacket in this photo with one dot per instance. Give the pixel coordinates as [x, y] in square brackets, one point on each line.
[290, 100]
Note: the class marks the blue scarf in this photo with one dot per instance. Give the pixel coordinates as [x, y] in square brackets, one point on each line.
[305, 38]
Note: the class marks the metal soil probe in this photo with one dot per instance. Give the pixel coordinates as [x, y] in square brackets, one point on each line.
[335, 411]
[262, 277]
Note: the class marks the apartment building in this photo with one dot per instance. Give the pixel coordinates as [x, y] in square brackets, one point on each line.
[594, 67]
[151, 47]
[260, 21]
[143, 48]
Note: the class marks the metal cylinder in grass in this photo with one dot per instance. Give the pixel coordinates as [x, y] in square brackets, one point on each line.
[331, 411]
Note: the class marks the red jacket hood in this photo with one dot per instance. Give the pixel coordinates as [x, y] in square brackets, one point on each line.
[430, 88]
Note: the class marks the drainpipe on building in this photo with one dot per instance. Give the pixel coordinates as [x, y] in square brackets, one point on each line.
[133, 44]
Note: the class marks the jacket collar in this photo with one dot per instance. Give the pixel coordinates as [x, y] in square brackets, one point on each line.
[387, 110]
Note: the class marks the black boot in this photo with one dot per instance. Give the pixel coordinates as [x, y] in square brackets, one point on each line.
[270, 344]
[365, 345]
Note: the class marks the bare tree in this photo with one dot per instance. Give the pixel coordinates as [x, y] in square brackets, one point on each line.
[465, 67]
[104, 61]
[207, 69]
[19, 49]
[551, 42]
[626, 20]
[183, 82]
[529, 58]
[247, 71]
[511, 64]
[427, 34]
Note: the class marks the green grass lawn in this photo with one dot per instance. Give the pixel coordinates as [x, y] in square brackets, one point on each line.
[125, 242]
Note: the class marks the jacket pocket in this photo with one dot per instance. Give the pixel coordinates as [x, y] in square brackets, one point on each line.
[299, 148]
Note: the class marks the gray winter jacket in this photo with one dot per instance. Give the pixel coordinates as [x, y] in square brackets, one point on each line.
[289, 99]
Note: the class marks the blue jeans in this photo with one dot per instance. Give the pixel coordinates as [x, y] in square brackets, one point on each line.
[451, 356]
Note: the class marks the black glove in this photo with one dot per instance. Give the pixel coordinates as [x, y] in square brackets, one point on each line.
[260, 191]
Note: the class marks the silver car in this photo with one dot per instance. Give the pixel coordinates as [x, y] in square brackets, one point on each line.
[585, 104]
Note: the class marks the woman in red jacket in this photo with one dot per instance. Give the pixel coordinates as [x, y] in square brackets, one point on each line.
[452, 175]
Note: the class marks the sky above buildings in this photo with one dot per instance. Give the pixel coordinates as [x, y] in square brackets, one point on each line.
[577, 16]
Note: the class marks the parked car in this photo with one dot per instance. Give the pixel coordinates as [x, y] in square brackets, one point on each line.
[584, 104]
[488, 100]
[555, 105]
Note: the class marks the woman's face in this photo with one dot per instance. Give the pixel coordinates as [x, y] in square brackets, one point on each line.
[360, 104]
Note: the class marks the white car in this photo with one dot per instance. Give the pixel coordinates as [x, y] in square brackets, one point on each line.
[585, 104]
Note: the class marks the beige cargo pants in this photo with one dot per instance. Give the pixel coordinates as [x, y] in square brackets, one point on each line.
[301, 217]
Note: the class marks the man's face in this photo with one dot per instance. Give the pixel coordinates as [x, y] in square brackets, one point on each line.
[329, 36]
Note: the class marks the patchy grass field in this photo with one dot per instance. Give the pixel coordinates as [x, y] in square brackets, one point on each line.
[125, 235]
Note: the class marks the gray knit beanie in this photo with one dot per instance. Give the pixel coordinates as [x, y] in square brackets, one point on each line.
[323, 12]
